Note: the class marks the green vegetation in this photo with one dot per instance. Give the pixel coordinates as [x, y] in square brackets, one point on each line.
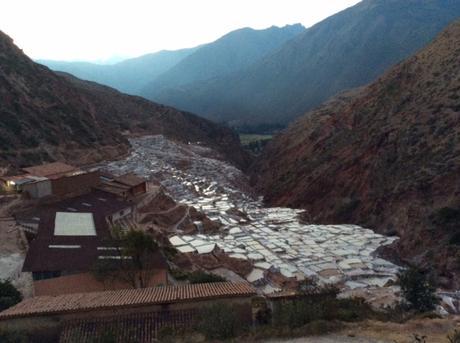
[418, 290]
[9, 295]
[197, 276]
[319, 304]
[247, 139]
[220, 321]
[447, 217]
[137, 250]
[255, 143]
[454, 337]
[203, 277]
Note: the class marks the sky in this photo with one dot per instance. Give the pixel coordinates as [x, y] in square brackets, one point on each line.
[99, 30]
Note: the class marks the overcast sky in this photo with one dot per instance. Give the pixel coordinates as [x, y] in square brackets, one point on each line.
[100, 29]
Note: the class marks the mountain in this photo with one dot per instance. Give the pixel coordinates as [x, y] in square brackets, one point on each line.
[45, 116]
[234, 51]
[163, 69]
[128, 76]
[386, 156]
[347, 50]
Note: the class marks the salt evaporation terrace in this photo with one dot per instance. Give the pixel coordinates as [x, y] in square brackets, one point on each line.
[273, 238]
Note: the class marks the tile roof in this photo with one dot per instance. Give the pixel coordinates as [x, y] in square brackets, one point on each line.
[80, 302]
[51, 169]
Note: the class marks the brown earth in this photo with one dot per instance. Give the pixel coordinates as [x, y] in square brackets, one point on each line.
[386, 156]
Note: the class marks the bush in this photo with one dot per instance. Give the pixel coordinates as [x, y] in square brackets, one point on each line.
[13, 337]
[418, 289]
[446, 217]
[454, 337]
[9, 295]
[455, 239]
[220, 321]
[203, 277]
[317, 304]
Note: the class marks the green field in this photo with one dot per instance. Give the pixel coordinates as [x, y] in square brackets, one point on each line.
[247, 139]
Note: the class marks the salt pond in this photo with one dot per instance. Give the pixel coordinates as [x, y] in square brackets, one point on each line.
[272, 238]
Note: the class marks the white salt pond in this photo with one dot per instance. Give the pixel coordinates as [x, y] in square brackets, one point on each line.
[272, 238]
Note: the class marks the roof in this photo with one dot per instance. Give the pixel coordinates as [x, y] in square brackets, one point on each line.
[74, 224]
[51, 170]
[41, 257]
[82, 302]
[22, 179]
[129, 179]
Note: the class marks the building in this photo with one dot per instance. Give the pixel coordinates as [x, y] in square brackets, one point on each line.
[71, 237]
[55, 179]
[127, 186]
[142, 312]
[52, 170]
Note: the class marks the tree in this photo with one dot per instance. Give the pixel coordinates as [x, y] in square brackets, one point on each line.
[136, 253]
[418, 289]
[9, 295]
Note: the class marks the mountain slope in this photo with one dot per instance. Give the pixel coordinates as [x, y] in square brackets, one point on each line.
[386, 156]
[128, 76]
[45, 116]
[234, 51]
[346, 50]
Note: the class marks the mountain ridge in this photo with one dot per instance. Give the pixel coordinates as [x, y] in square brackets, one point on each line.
[46, 116]
[346, 50]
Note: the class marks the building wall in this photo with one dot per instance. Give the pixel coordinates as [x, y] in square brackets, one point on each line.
[38, 189]
[139, 189]
[75, 185]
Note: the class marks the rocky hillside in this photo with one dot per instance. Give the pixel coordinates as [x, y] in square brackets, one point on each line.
[45, 116]
[349, 49]
[386, 156]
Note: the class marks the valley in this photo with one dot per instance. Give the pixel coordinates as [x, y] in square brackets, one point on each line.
[290, 181]
[273, 240]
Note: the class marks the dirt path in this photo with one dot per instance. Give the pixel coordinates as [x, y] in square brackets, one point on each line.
[435, 331]
[332, 339]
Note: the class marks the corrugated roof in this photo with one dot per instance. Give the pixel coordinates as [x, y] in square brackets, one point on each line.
[80, 302]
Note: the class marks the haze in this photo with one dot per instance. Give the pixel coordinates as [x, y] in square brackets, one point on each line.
[107, 30]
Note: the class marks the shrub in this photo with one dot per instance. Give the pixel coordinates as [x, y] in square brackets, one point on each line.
[446, 217]
[203, 277]
[418, 289]
[455, 239]
[13, 337]
[220, 321]
[9, 295]
[316, 304]
[454, 337]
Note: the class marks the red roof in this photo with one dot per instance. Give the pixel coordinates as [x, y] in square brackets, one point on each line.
[80, 302]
